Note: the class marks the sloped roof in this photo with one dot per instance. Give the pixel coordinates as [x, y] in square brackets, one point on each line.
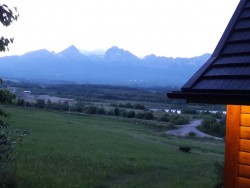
[225, 77]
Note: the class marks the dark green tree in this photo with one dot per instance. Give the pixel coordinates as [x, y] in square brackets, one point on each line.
[149, 116]
[131, 114]
[117, 111]
[48, 104]
[7, 16]
[20, 102]
[6, 143]
[40, 103]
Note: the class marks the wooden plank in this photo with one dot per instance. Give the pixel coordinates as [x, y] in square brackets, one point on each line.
[244, 158]
[245, 145]
[245, 132]
[245, 120]
[232, 146]
[245, 109]
[244, 171]
[243, 182]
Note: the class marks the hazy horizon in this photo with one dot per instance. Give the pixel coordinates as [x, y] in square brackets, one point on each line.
[164, 27]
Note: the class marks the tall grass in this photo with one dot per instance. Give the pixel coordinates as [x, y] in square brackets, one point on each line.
[99, 152]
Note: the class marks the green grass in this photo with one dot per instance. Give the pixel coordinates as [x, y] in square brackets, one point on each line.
[100, 152]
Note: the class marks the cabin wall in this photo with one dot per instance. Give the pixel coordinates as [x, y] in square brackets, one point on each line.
[237, 154]
[244, 148]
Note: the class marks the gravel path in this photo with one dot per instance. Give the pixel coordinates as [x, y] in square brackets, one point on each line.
[184, 130]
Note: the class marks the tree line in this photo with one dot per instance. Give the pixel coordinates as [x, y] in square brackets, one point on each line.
[120, 110]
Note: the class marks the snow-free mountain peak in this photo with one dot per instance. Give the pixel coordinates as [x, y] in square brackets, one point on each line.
[70, 51]
[115, 54]
[116, 67]
[73, 54]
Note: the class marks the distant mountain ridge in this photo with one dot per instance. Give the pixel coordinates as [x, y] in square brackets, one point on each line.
[115, 67]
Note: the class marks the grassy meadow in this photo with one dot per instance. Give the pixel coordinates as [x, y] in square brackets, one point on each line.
[100, 152]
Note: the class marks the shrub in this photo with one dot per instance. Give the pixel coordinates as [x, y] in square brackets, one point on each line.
[185, 149]
[188, 111]
[165, 118]
[192, 134]
[79, 107]
[40, 103]
[179, 120]
[139, 115]
[48, 104]
[124, 113]
[148, 116]
[111, 112]
[65, 106]
[101, 111]
[128, 105]
[90, 109]
[139, 106]
[131, 114]
[211, 126]
[20, 102]
[116, 111]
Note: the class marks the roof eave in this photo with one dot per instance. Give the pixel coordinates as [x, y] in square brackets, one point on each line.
[211, 98]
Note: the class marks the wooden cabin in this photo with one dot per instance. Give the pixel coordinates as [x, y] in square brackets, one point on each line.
[225, 79]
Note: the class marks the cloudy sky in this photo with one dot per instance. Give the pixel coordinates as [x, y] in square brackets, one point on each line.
[182, 28]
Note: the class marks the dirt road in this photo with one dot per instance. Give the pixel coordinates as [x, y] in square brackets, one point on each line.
[184, 130]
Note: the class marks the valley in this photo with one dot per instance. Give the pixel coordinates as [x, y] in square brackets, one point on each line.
[96, 151]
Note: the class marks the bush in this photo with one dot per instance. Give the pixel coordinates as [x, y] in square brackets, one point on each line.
[90, 109]
[179, 120]
[192, 134]
[79, 107]
[101, 111]
[165, 118]
[139, 106]
[116, 111]
[145, 115]
[40, 103]
[148, 116]
[188, 111]
[211, 126]
[131, 114]
[7, 142]
[56, 106]
[111, 112]
[20, 102]
[139, 115]
[124, 113]
[186, 149]
[65, 106]
[48, 104]
[128, 105]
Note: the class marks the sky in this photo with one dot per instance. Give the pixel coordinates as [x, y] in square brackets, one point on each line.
[171, 28]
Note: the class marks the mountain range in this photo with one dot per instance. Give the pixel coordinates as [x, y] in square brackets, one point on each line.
[115, 67]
